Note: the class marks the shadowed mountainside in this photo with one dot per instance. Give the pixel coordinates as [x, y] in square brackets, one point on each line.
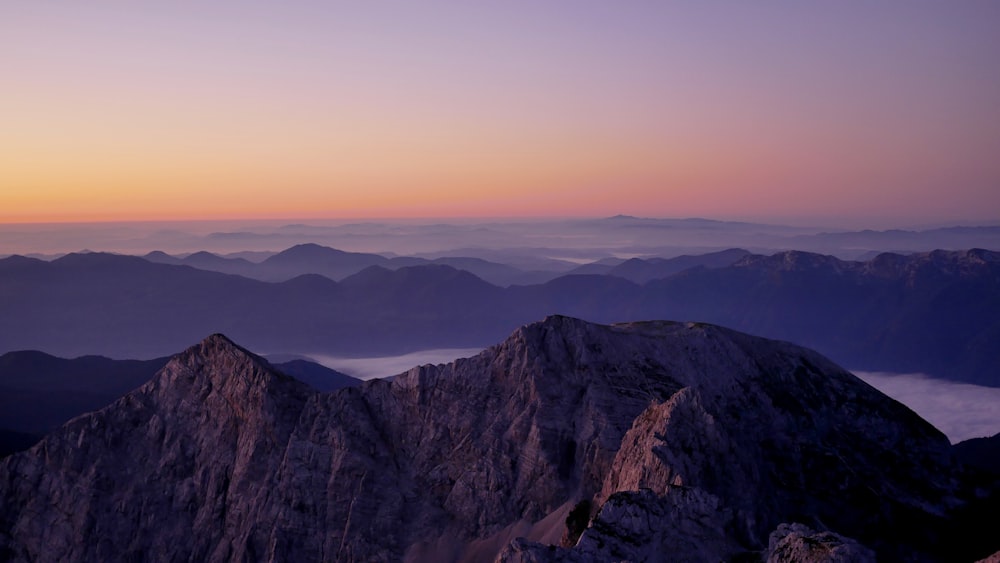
[936, 313]
[642, 270]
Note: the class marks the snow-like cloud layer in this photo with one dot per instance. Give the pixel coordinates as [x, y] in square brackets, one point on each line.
[370, 368]
[960, 410]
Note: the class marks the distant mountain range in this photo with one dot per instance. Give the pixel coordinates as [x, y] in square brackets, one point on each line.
[936, 312]
[336, 264]
[567, 441]
[530, 245]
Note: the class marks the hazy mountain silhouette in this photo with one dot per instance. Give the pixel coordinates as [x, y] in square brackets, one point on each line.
[337, 264]
[39, 392]
[983, 453]
[902, 240]
[551, 246]
[642, 270]
[319, 377]
[937, 312]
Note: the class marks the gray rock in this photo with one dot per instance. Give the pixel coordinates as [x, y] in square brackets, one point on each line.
[795, 543]
[694, 441]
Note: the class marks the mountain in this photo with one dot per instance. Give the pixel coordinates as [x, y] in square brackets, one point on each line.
[936, 313]
[982, 453]
[316, 259]
[315, 375]
[123, 306]
[306, 259]
[680, 441]
[641, 271]
[40, 392]
[208, 261]
[952, 238]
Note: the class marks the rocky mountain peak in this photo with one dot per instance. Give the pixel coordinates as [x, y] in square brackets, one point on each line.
[642, 437]
[218, 365]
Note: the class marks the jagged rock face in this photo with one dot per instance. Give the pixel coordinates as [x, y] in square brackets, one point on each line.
[693, 440]
[172, 468]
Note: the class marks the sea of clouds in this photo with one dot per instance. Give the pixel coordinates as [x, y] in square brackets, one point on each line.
[371, 368]
[960, 410]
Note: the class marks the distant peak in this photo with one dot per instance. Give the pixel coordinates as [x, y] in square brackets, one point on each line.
[203, 254]
[307, 245]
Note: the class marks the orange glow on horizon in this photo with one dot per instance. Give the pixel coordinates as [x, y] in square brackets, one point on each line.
[162, 113]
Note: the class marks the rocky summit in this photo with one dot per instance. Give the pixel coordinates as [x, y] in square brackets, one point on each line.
[568, 441]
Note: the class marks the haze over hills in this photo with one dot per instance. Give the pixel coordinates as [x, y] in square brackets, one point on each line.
[336, 264]
[936, 313]
[548, 245]
[640, 270]
[615, 442]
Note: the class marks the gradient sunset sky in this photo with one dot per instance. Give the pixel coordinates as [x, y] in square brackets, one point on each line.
[887, 112]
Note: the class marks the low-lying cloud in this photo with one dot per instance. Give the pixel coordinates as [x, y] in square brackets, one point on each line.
[371, 368]
[960, 410]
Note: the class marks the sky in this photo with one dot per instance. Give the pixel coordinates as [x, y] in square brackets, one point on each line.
[882, 112]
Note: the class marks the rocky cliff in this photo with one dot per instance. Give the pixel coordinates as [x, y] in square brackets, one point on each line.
[643, 441]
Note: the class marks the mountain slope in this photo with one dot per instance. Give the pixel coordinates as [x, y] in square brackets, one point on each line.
[936, 313]
[642, 271]
[40, 392]
[221, 458]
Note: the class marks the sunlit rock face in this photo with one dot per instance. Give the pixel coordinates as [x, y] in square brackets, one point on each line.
[654, 441]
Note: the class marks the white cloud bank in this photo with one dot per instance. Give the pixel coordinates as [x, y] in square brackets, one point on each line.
[371, 368]
[960, 410]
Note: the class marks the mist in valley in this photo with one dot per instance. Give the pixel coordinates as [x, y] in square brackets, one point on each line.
[379, 367]
[960, 410]
[523, 243]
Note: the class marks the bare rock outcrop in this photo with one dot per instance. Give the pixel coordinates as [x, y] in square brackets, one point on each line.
[796, 543]
[689, 442]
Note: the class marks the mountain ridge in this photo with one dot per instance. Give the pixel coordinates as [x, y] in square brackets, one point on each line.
[39, 392]
[231, 459]
[935, 313]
